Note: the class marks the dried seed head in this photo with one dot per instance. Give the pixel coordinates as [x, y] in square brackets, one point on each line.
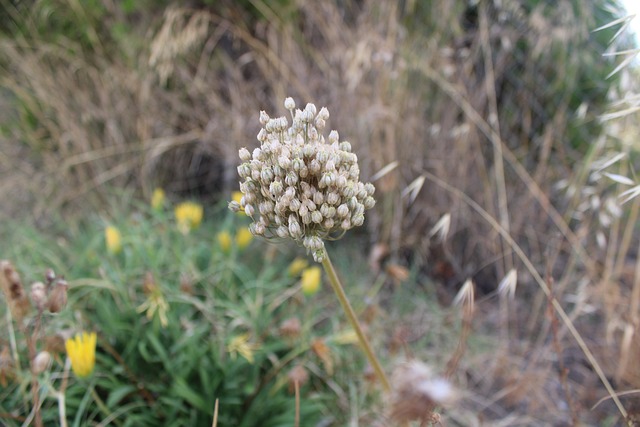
[13, 290]
[38, 295]
[297, 172]
[416, 392]
[291, 328]
[57, 296]
[298, 375]
[41, 362]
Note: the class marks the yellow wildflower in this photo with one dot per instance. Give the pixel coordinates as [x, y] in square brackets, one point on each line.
[243, 238]
[188, 216]
[296, 267]
[157, 199]
[348, 336]
[82, 352]
[113, 239]
[236, 196]
[311, 280]
[155, 303]
[224, 240]
[240, 345]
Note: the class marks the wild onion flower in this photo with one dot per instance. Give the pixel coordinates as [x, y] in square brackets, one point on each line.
[113, 239]
[157, 199]
[188, 216]
[311, 279]
[82, 352]
[300, 186]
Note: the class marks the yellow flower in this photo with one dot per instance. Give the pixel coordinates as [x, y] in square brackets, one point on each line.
[243, 238]
[311, 280]
[236, 196]
[82, 352]
[224, 240]
[345, 337]
[240, 345]
[297, 266]
[157, 199]
[188, 216]
[113, 239]
[155, 302]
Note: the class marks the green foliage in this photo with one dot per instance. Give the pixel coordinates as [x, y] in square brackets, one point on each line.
[155, 371]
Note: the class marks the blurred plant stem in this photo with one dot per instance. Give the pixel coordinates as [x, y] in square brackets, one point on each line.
[351, 315]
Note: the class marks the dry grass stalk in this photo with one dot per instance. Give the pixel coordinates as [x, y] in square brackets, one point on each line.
[542, 285]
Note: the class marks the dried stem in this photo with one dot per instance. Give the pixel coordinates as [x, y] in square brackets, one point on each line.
[35, 385]
[351, 315]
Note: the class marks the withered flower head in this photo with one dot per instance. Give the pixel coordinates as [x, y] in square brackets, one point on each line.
[57, 296]
[300, 186]
[13, 290]
[417, 392]
[298, 374]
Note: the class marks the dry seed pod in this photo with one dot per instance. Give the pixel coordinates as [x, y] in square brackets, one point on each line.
[41, 362]
[290, 328]
[13, 290]
[58, 296]
[39, 295]
[297, 375]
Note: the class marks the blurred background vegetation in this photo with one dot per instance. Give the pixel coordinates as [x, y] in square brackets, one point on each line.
[472, 110]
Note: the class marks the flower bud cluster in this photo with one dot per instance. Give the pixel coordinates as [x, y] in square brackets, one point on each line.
[298, 185]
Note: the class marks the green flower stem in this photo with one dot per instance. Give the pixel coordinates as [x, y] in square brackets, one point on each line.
[351, 315]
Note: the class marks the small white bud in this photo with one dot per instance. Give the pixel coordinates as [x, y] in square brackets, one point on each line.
[333, 136]
[249, 210]
[41, 362]
[282, 231]
[318, 198]
[284, 162]
[264, 118]
[333, 198]
[316, 217]
[234, 206]
[294, 205]
[310, 109]
[369, 202]
[289, 103]
[323, 113]
[370, 189]
[245, 155]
